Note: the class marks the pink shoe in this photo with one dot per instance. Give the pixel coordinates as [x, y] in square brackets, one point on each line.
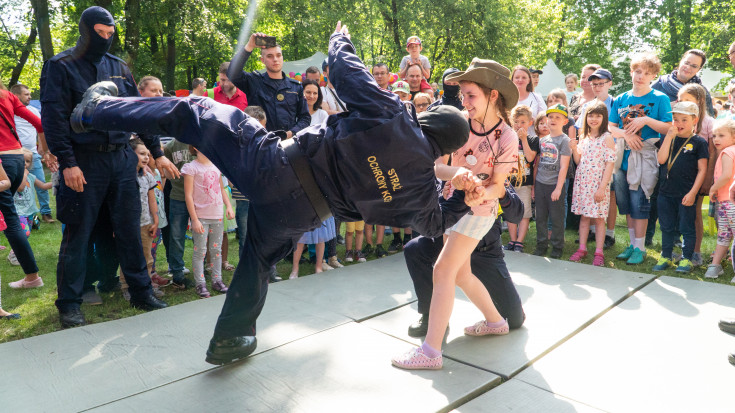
[577, 256]
[482, 329]
[22, 283]
[415, 359]
[599, 260]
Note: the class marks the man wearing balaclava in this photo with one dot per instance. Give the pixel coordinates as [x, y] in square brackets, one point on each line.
[98, 169]
[451, 92]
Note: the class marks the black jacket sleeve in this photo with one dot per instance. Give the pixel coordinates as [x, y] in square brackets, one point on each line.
[512, 206]
[57, 106]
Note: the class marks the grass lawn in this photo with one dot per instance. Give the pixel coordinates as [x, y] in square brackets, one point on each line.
[39, 315]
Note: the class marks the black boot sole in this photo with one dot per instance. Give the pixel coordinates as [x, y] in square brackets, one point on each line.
[220, 360]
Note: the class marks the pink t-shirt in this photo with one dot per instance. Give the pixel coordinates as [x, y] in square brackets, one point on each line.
[723, 194]
[496, 153]
[207, 192]
[707, 131]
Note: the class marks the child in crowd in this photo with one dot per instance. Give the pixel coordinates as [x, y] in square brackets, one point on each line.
[355, 230]
[683, 157]
[571, 81]
[541, 126]
[724, 140]
[403, 91]
[205, 194]
[550, 178]
[162, 223]
[4, 186]
[150, 87]
[558, 97]
[421, 101]
[693, 92]
[318, 236]
[639, 116]
[414, 57]
[528, 147]
[595, 156]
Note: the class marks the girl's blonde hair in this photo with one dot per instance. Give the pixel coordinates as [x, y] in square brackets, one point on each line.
[147, 79]
[596, 107]
[728, 124]
[559, 94]
[700, 94]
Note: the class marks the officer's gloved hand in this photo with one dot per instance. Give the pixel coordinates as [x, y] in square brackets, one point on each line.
[282, 134]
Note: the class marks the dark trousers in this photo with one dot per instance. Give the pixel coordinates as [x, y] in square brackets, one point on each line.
[112, 188]
[674, 219]
[488, 266]
[546, 210]
[102, 260]
[653, 215]
[14, 166]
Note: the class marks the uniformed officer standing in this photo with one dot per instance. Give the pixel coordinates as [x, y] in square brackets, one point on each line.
[98, 168]
[281, 98]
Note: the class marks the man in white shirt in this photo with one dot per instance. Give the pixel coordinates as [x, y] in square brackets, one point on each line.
[29, 140]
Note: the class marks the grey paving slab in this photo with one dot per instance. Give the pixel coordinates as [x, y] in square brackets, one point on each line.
[517, 396]
[658, 351]
[559, 297]
[357, 291]
[345, 369]
[80, 368]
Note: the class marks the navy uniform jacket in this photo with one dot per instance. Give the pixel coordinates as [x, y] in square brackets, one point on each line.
[281, 99]
[64, 79]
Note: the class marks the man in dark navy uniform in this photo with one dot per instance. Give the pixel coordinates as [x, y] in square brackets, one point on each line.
[487, 263]
[98, 168]
[281, 97]
[374, 162]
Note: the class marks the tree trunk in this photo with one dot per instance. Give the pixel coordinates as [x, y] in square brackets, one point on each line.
[23, 57]
[170, 79]
[40, 11]
[132, 32]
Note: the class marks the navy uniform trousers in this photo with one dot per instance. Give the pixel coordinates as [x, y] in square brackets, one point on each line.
[280, 211]
[111, 189]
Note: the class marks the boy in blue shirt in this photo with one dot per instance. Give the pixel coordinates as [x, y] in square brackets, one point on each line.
[639, 116]
[683, 157]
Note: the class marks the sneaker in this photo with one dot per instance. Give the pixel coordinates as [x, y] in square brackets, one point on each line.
[12, 258]
[22, 283]
[675, 256]
[481, 328]
[599, 260]
[91, 298]
[380, 251]
[637, 257]
[186, 271]
[577, 256]
[349, 255]
[219, 286]
[663, 264]
[367, 249]
[556, 253]
[415, 359]
[183, 284]
[160, 281]
[361, 256]
[325, 266]
[609, 242]
[626, 253]
[340, 239]
[333, 262]
[202, 291]
[395, 245]
[714, 271]
[518, 247]
[510, 247]
[697, 260]
[685, 266]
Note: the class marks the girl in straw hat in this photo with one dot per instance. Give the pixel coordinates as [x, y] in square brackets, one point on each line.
[480, 168]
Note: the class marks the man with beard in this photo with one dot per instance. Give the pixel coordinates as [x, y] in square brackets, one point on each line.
[226, 92]
[451, 92]
[98, 169]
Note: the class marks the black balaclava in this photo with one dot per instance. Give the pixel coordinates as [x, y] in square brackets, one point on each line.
[445, 126]
[90, 45]
[451, 93]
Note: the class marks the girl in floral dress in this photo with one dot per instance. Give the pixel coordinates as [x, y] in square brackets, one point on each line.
[595, 157]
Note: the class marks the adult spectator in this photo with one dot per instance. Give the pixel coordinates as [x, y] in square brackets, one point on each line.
[226, 92]
[536, 76]
[198, 87]
[526, 96]
[586, 95]
[451, 91]
[691, 63]
[29, 139]
[331, 102]
[281, 98]
[312, 73]
[14, 166]
[98, 168]
[382, 76]
[416, 81]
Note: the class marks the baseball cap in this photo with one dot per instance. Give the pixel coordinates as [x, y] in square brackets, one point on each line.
[686, 108]
[536, 71]
[412, 40]
[601, 74]
[401, 86]
[558, 108]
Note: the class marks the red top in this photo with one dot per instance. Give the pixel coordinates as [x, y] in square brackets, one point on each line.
[10, 106]
[238, 100]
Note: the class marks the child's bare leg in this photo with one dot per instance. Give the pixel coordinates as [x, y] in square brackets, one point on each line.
[380, 229]
[319, 257]
[584, 230]
[599, 234]
[720, 252]
[612, 215]
[699, 226]
[369, 235]
[349, 236]
[296, 256]
[513, 231]
[523, 229]
[475, 290]
[359, 237]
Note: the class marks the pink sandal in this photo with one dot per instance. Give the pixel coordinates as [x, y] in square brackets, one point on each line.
[599, 260]
[577, 256]
[415, 359]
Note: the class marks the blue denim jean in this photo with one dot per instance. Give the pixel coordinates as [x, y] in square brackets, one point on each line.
[178, 219]
[41, 194]
[241, 218]
[674, 219]
[629, 202]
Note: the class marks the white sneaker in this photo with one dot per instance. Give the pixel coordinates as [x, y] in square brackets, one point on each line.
[334, 262]
[325, 266]
[714, 271]
[12, 258]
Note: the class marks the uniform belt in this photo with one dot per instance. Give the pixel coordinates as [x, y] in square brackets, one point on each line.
[103, 147]
[306, 178]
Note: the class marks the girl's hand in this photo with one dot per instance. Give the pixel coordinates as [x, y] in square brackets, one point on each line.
[153, 229]
[445, 190]
[573, 145]
[600, 195]
[464, 180]
[556, 194]
[713, 195]
[230, 213]
[197, 227]
[476, 197]
[688, 199]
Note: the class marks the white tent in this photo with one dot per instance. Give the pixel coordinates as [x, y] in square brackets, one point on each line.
[551, 79]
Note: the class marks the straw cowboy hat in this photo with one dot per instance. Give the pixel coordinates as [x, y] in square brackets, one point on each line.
[491, 74]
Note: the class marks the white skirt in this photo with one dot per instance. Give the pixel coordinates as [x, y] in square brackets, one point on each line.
[473, 226]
